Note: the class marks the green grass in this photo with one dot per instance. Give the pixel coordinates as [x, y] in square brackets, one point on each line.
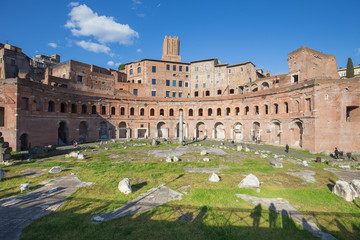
[212, 209]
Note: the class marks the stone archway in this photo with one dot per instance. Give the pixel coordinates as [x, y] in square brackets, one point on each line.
[103, 131]
[200, 130]
[162, 131]
[276, 132]
[122, 130]
[238, 132]
[24, 142]
[256, 131]
[83, 132]
[219, 131]
[63, 133]
[297, 134]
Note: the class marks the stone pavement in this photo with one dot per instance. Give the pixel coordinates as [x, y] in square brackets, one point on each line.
[19, 211]
[345, 175]
[153, 198]
[181, 150]
[284, 207]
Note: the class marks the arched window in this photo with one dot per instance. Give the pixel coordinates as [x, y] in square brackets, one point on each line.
[83, 109]
[103, 110]
[237, 111]
[112, 110]
[161, 112]
[218, 112]
[51, 106]
[297, 106]
[171, 112]
[152, 112]
[132, 111]
[122, 111]
[266, 109]
[73, 108]
[131, 72]
[93, 109]
[209, 111]
[63, 107]
[191, 112]
[246, 110]
[286, 105]
[256, 110]
[200, 111]
[228, 111]
[276, 108]
[139, 70]
[142, 112]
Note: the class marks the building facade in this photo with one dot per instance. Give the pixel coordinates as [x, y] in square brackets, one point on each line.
[308, 108]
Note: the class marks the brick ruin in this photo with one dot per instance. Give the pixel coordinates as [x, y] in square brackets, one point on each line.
[308, 108]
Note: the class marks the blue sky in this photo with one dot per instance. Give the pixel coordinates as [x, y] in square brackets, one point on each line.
[107, 33]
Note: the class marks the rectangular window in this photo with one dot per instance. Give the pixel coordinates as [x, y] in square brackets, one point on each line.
[174, 94]
[196, 85]
[219, 92]
[167, 82]
[208, 76]
[24, 103]
[196, 68]
[139, 81]
[167, 67]
[204, 85]
[167, 94]
[229, 70]
[180, 94]
[353, 114]
[135, 91]
[153, 81]
[174, 83]
[153, 93]
[180, 83]
[187, 69]
[196, 94]
[153, 69]
[186, 84]
[180, 68]
[308, 104]
[174, 67]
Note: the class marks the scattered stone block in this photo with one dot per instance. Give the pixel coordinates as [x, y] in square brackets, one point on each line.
[124, 186]
[154, 142]
[97, 219]
[239, 147]
[55, 169]
[24, 187]
[214, 178]
[263, 156]
[276, 164]
[304, 163]
[345, 166]
[206, 159]
[2, 173]
[275, 156]
[318, 159]
[345, 190]
[176, 159]
[81, 156]
[257, 152]
[250, 181]
[247, 149]
[203, 152]
[355, 183]
[168, 159]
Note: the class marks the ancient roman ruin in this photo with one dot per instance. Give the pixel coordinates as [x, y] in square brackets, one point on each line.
[310, 107]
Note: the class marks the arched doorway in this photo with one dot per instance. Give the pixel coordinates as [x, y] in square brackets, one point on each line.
[162, 130]
[122, 130]
[83, 132]
[219, 131]
[256, 131]
[297, 136]
[276, 132]
[200, 130]
[178, 129]
[103, 131]
[238, 132]
[63, 133]
[24, 142]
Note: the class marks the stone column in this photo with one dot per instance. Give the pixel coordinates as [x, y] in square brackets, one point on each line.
[195, 131]
[232, 134]
[128, 133]
[213, 133]
[186, 131]
[117, 133]
[181, 128]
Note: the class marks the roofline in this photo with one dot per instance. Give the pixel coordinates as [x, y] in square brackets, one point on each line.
[205, 60]
[156, 60]
[239, 64]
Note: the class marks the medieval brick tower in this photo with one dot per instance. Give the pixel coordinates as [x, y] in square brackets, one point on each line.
[171, 49]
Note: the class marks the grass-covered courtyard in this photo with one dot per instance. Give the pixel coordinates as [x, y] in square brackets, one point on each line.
[208, 210]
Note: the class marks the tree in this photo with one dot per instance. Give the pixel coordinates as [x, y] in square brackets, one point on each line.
[121, 67]
[349, 69]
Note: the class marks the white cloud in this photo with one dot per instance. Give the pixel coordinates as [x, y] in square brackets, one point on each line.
[52, 45]
[141, 15]
[93, 47]
[137, 2]
[84, 22]
[110, 63]
[139, 50]
[73, 4]
[158, 5]
[117, 64]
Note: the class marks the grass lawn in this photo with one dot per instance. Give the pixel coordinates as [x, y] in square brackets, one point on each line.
[207, 211]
